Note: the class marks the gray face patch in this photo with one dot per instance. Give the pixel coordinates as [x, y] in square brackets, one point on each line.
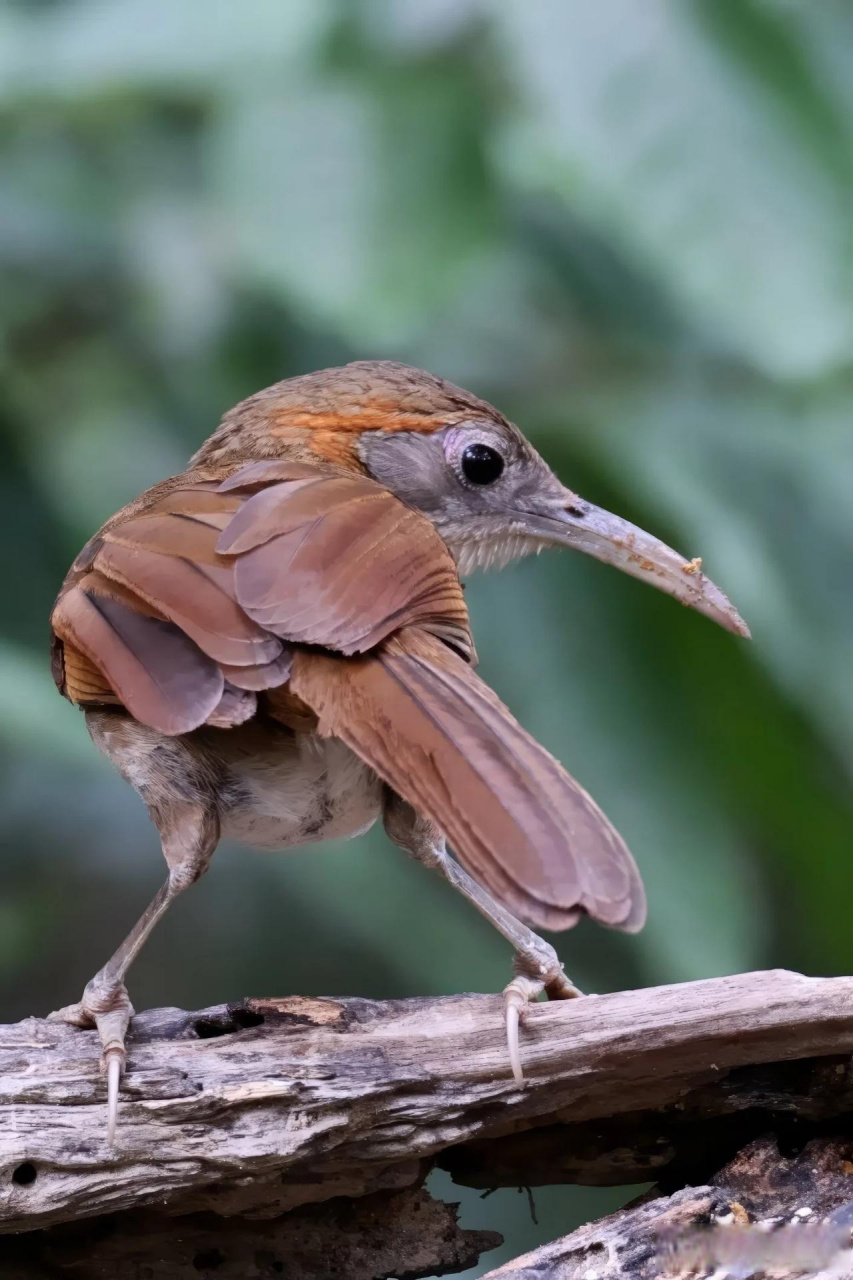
[483, 524]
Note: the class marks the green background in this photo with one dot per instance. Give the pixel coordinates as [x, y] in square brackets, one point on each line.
[628, 224]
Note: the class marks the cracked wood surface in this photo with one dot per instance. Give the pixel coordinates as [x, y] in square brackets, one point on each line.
[269, 1104]
[762, 1206]
[404, 1234]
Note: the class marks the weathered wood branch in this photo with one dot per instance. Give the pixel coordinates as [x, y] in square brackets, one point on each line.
[390, 1233]
[266, 1105]
[793, 1214]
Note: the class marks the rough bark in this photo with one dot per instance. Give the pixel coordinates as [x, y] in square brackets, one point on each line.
[259, 1108]
[680, 1142]
[762, 1207]
[274, 1103]
[404, 1234]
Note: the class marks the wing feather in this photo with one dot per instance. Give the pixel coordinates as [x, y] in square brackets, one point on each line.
[436, 733]
[180, 590]
[229, 571]
[342, 563]
[156, 671]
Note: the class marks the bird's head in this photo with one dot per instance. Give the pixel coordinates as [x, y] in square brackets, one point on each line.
[457, 460]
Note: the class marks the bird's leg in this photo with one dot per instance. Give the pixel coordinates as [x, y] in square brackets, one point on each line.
[188, 843]
[167, 775]
[536, 965]
[105, 1004]
[188, 835]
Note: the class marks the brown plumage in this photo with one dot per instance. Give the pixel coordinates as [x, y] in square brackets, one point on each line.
[275, 646]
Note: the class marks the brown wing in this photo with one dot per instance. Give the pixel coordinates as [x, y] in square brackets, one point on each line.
[185, 609]
[437, 734]
[147, 663]
[338, 561]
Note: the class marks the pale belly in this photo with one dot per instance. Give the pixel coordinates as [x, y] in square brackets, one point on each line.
[305, 789]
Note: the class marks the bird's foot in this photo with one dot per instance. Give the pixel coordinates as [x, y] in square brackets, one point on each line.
[534, 973]
[105, 1007]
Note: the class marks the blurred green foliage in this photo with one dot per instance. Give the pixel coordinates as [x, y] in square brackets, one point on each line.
[627, 224]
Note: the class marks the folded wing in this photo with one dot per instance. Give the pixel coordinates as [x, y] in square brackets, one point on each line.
[202, 591]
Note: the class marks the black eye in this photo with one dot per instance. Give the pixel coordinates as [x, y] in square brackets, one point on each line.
[481, 464]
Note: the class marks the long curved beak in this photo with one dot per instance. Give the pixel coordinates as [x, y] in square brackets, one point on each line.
[598, 533]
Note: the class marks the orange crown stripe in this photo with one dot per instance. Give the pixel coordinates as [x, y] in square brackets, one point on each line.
[363, 418]
[338, 447]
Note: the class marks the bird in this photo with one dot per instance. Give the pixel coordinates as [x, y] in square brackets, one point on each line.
[274, 647]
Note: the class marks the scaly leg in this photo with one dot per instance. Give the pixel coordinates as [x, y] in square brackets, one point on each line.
[536, 965]
[182, 808]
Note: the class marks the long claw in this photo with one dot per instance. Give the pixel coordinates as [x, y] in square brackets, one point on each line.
[512, 1044]
[114, 1059]
[112, 1028]
[105, 1006]
[519, 995]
